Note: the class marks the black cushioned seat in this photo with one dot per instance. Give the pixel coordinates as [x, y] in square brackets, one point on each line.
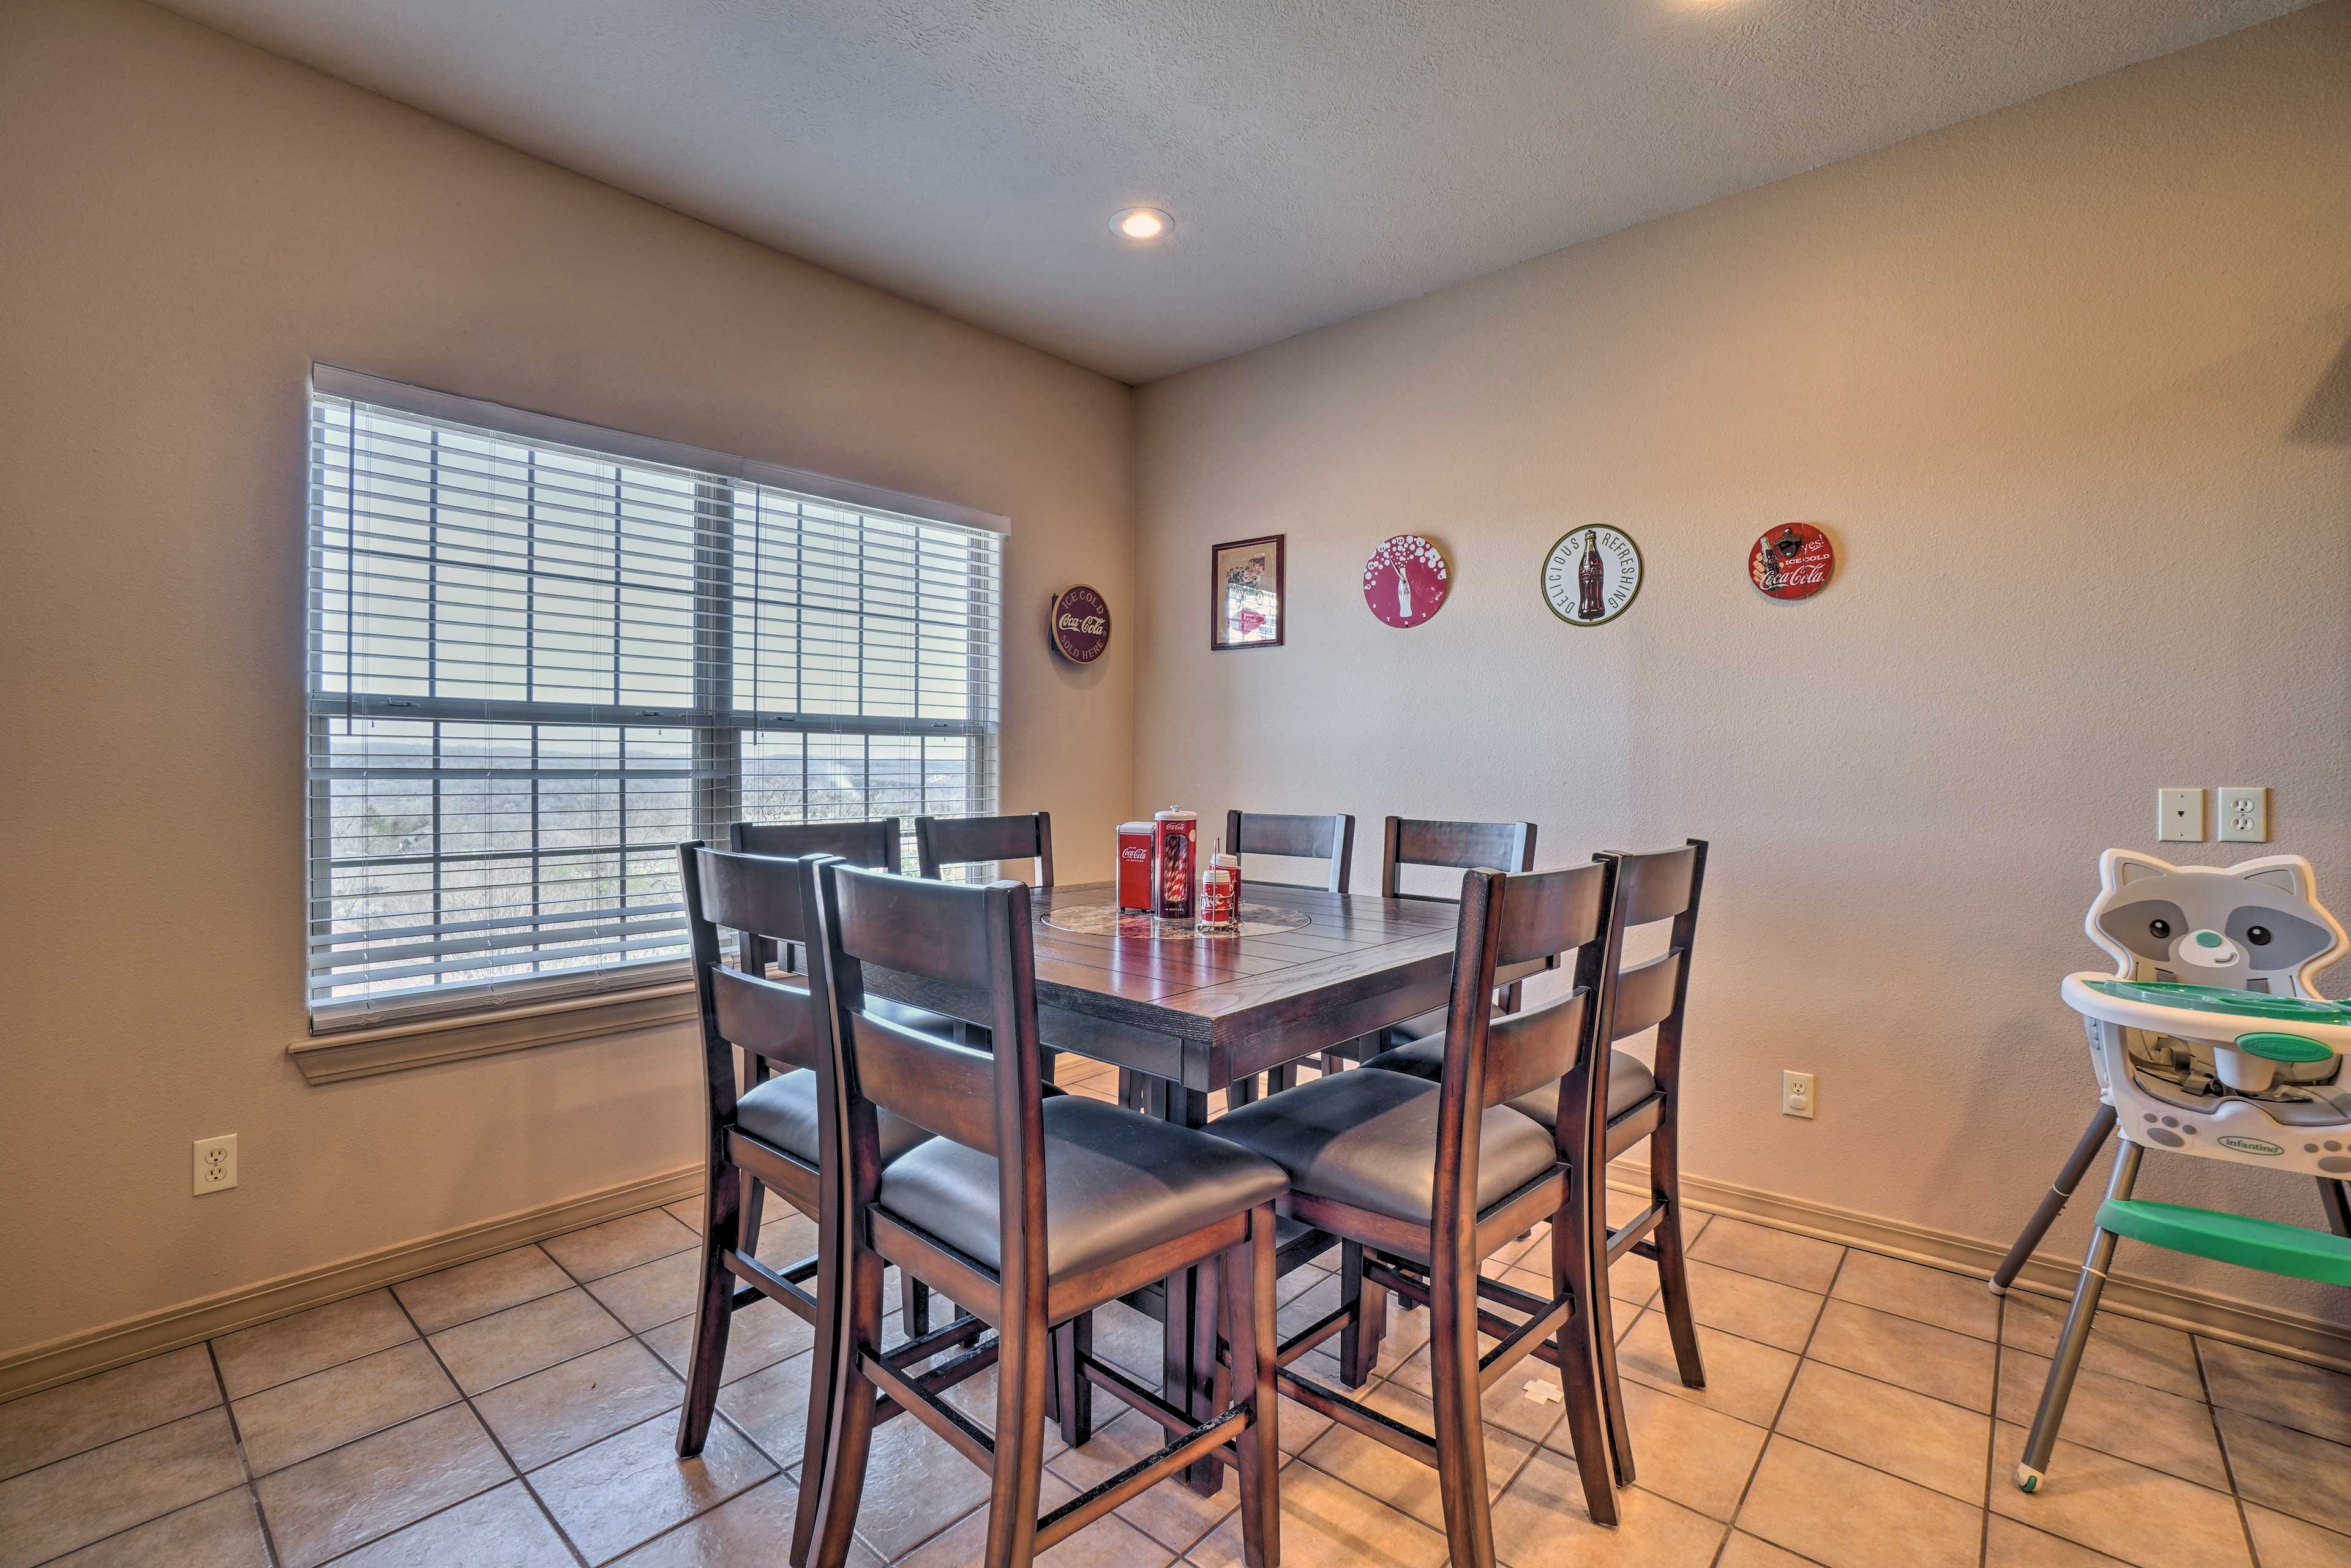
[782, 1111]
[1116, 1184]
[1630, 1081]
[1369, 1138]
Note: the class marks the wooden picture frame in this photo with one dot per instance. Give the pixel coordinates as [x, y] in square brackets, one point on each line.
[1242, 611]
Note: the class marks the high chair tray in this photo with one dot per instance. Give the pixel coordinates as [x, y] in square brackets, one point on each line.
[2222, 1000]
[2210, 1013]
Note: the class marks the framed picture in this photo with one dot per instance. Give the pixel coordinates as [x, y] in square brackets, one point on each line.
[1245, 594]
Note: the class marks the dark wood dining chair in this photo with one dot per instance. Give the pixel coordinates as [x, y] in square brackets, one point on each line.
[1629, 1102]
[1328, 838]
[1031, 1210]
[943, 842]
[777, 1133]
[1424, 1181]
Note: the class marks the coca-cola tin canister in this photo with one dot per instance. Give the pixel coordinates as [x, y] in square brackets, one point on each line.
[1134, 867]
[1175, 862]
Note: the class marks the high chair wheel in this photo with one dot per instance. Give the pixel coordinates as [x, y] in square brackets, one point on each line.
[2028, 1479]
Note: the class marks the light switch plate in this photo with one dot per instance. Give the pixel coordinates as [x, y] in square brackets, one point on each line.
[2179, 816]
[2244, 814]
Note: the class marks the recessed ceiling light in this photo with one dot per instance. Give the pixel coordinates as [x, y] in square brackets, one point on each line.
[1140, 223]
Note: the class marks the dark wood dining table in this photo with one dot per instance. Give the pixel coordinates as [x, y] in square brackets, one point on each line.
[1191, 1015]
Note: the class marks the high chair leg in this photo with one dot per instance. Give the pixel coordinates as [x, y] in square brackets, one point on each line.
[2052, 1202]
[2032, 1469]
[2335, 1196]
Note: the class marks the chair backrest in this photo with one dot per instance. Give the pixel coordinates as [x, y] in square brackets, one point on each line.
[1409, 840]
[973, 945]
[1492, 1058]
[867, 843]
[973, 841]
[763, 898]
[1665, 884]
[1332, 839]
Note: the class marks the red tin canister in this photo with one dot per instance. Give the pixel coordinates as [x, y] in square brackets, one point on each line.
[1135, 842]
[1175, 862]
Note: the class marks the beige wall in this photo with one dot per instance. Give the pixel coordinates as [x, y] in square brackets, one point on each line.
[188, 224]
[2069, 384]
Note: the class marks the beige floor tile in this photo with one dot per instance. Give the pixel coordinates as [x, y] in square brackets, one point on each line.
[502, 1526]
[686, 1212]
[786, 1237]
[222, 1531]
[751, 1531]
[290, 1347]
[619, 1244]
[2123, 1509]
[574, 1403]
[1844, 1515]
[1326, 1523]
[771, 1404]
[1130, 1341]
[1753, 1308]
[288, 1424]
[1541, 1522]
[62, 1421]
[1398, 1481]
[2008, 1544]
[1693, 1456]
[653, 1294]
[1745, 1550]
[762, 1334]
[1170, 1514]
[2119, 1346]
[100, 1491]
[1297, 1428]
[476, 1290]
[631, 1486]
[1526, 1403]
[1743, 1379]
[975, 1397]
[2288, 1470]
[2290, 1392]
[2287, 1542]
[1888, 1429]
[349, 1496]
[1807, 1263]
[1633, 1279]
[521, 1339]
[2144, 1425]
[1956, 1302]
[1109, 1542]
[1954, 1367]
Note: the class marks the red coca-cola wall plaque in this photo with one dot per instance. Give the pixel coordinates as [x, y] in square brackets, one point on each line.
[1405, 580]
[1081, 625]
[1793, 560]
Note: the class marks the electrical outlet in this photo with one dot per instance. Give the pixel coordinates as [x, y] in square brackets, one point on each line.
[215, 1163]
[1798, 1093]
[2244, 814]
[2179, 816]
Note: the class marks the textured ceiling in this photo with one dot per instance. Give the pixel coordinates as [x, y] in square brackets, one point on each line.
[1321, 158]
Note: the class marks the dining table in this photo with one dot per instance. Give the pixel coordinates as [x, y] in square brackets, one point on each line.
[1186, 1013]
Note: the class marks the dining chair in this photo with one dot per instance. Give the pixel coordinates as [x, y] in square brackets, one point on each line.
[1424, 1181]
[777, 1132]
[1328, 838]
[943, 842]
[1030, 1210]
[1641, 1103]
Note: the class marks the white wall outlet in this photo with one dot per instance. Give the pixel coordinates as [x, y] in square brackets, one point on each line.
[215, 1163]
[2179, 816]
[1798, 1093]
[2244, 814]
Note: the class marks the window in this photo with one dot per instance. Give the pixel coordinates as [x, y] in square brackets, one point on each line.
[540, 654]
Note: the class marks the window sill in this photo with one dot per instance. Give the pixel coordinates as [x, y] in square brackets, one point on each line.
[428, 1042]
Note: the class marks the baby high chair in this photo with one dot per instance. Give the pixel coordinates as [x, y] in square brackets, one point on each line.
[2207, 1040]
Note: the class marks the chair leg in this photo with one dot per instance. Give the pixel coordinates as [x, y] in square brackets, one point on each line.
[1240, 1092]
[857, 1403]
[1359, 1340]
[1587, 1387]
[914, 1306]
[1600, 1317]
[2335, 1196]
[1246, 1273]
[826, 1382]
[1073, 1394]
[1019, 1476]
[1282, 1078]
[2052, 1202]
[2032, 1469]
[722, 1219]
[1460, 1428]
[1673, 1274]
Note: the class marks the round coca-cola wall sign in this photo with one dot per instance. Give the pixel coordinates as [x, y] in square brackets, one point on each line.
[1081, 625]
[1405, 580]
[1794, 561]
[1590, 575]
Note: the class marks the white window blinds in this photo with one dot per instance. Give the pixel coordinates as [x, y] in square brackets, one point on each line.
[536, 665]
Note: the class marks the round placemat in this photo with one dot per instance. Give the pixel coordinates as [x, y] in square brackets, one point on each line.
[1109, 920]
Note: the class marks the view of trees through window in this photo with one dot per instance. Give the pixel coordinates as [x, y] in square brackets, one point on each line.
[535, 669]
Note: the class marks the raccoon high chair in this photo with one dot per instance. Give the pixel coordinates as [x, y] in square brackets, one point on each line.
[2207, 1040]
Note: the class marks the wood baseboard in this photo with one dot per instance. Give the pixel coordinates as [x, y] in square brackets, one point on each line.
[56, 1360]
[2046, 1274]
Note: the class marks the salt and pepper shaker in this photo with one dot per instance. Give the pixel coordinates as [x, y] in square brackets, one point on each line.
[1220, 892]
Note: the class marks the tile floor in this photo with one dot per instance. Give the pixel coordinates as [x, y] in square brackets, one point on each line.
[519, 1410]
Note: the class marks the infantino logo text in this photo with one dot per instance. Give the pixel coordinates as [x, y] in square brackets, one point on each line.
[2251, 1146]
